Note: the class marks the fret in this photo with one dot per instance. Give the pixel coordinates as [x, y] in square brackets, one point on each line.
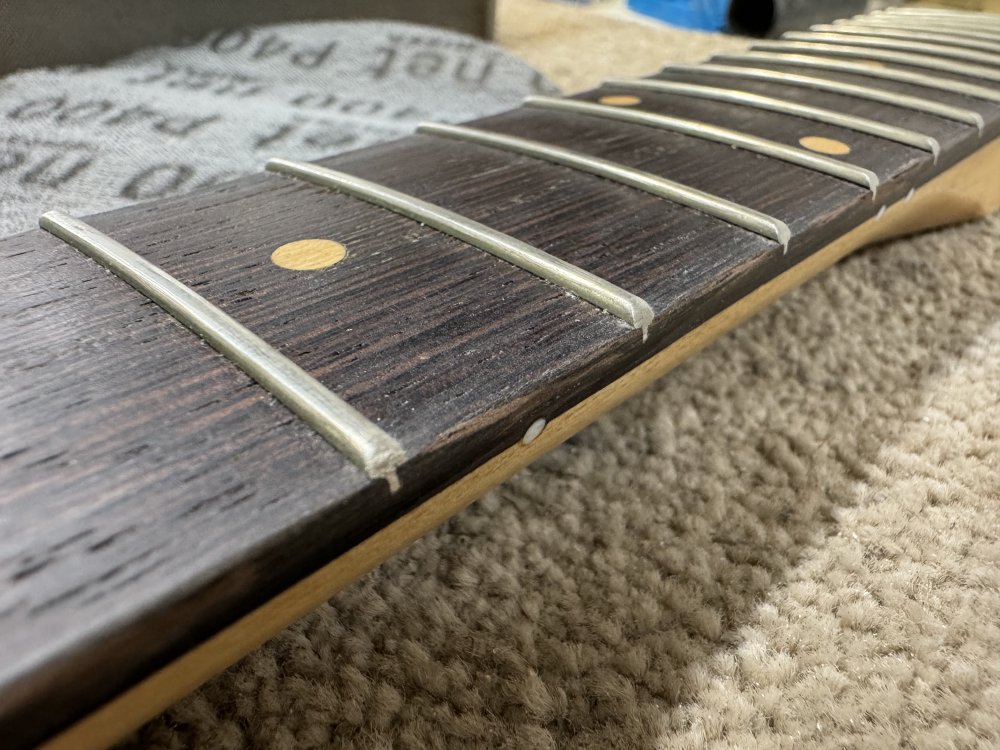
[720, 208]
[939, 50]
[986, 19]
[816, 162]
[341, 425]
[895, 20]
[880, 55]
[936, 37]
[884, 96]
[628, 307]
[815, 62]
[861, 124]
[957, 28]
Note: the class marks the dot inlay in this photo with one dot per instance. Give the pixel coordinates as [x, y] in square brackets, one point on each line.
[308, 255]
[620, 100]
[822, 145]
[533, 431]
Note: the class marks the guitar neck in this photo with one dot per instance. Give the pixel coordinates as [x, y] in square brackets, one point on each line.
[385, 334]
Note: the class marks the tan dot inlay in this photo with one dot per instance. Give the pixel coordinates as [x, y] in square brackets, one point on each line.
[822, 145]
[620, 100]
[308, 255]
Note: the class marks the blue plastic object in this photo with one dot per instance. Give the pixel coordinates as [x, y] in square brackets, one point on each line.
[693, 14]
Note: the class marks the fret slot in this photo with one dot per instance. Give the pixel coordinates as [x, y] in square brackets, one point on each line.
[828, 116]
[861, 29]
[349, 431]
[839, 87]
[801, 157]
[814, 62]
[922, 48]
[597, 291]
[720, 208]
[881, 55]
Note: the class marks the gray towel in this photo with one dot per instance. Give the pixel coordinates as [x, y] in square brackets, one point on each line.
[165, 121]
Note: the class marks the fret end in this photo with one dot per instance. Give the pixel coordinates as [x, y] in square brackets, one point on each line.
[48, 218]
[382, 458]
[873, 182]
[631, 309]
[394, 484]
[783, 235]
[54, 221]
[436, 128]
[641, 316]
[282, 166]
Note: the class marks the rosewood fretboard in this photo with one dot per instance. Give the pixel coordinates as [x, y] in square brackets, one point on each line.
[151, 493]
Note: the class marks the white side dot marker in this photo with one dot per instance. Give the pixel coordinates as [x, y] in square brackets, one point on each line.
[533, 431]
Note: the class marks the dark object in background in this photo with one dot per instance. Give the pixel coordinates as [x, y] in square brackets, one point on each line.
[63, 32]
[708, 15]
[772, 17]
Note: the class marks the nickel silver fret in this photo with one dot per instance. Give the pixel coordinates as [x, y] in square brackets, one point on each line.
[887, 21]
[880, 55]
[733, 213]
[987, 19]
[829, 116]
[353, 434]
[813, 62]
[939, 50]
[773, 149]
[585, 285]
[850, 89]
[959, 28]
[935, 37]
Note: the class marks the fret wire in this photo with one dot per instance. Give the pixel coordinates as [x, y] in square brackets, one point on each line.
[829, 116]
[981, 33]
[962, 28]
[353, 434]
[979, 22]
[938, 10]
[713, 205]
[983, 19]
[895, 21]
[815, 62]
[989, 19]
[587, 286]
[816, 162]
[937, 50]
[935, 37]
[960, 114]
[868, 53]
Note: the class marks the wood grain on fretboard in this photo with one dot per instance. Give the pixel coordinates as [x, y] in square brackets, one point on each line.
[152, 494]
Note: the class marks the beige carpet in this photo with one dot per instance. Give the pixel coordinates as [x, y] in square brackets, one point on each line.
[790, 541]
